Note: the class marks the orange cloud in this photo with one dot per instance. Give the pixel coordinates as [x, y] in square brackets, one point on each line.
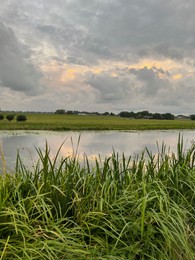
[113, 74]
[177, 76]
[96, 70]
[164, 64]
[70, 74]
[49, 67]
[64, 73]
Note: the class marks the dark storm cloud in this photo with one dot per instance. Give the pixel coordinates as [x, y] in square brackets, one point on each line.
[161, 28]
[117, 23]
[38, 37]
[151, 81]
[93, 30]
[16, 70]
[109, 88]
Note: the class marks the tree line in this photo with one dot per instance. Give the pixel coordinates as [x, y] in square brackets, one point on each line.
[147, 115]
[135, 115]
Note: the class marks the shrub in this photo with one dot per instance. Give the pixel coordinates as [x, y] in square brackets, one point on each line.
[21, 118]
[60, 112]
[1, 117]
[192, 117]
[9, 117]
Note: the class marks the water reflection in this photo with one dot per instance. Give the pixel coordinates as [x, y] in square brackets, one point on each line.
[92, 143]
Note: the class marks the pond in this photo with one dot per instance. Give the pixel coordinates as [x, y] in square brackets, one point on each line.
[90, 143]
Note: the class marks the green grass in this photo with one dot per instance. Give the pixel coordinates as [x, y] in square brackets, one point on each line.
[118, 208]
[91, 122]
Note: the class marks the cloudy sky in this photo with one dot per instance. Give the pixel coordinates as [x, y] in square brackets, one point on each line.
[97, 55]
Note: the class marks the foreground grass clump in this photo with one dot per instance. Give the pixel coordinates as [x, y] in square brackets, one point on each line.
[120, 208]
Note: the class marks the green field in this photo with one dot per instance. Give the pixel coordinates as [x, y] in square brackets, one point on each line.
[91, 122]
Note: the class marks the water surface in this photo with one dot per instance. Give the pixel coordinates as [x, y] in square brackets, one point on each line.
[91, 143]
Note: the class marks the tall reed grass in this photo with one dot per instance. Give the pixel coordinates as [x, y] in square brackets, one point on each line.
[119, 208]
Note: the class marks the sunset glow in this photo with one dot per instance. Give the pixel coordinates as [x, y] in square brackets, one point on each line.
[121, 55]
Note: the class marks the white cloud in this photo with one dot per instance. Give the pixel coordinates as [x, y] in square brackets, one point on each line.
[108, 42]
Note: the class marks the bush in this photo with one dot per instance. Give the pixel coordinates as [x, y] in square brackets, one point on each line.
[1, 117]
[192, 117]
[21, 118]
[60, 112]
[9, 117]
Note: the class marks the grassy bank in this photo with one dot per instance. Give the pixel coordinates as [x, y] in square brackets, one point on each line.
[91, 122]
[117, 209]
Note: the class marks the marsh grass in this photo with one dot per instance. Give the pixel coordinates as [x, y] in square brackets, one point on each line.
[118, 208]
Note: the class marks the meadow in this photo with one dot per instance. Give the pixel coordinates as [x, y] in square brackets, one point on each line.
[91, 122]
[120, 208]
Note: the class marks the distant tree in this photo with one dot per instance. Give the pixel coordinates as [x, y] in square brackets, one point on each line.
[1, 117]
[9, 117]
[132, 114]
[157, 116]
[138, 115]
[105, 113]
[70, 112]
[168, 116]
[124, 114]
[76, 112]
[192, 117]
[144, 113]
[60, 111]
[21, 118]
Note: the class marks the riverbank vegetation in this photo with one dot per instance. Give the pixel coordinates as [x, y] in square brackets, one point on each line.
[118, 208]
[61, 122]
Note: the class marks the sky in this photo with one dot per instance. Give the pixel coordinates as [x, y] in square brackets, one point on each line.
[97, 55]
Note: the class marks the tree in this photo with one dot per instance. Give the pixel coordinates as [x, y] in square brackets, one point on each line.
[105, 114]
[21, 118]
[60, 112]
[9, 117]
[70, 112]
[192, 117]
[1, 117]
[124, 114]
[168, 116]
[157, 116]
[144, 113]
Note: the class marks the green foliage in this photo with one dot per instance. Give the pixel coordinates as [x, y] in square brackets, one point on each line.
[146, 115]
[10, 117]
[21, 118]
[1, 117]
[60, 112]
[157, 116]
[127, 114]
[192, 117]
[167, 116]
[118, 208]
